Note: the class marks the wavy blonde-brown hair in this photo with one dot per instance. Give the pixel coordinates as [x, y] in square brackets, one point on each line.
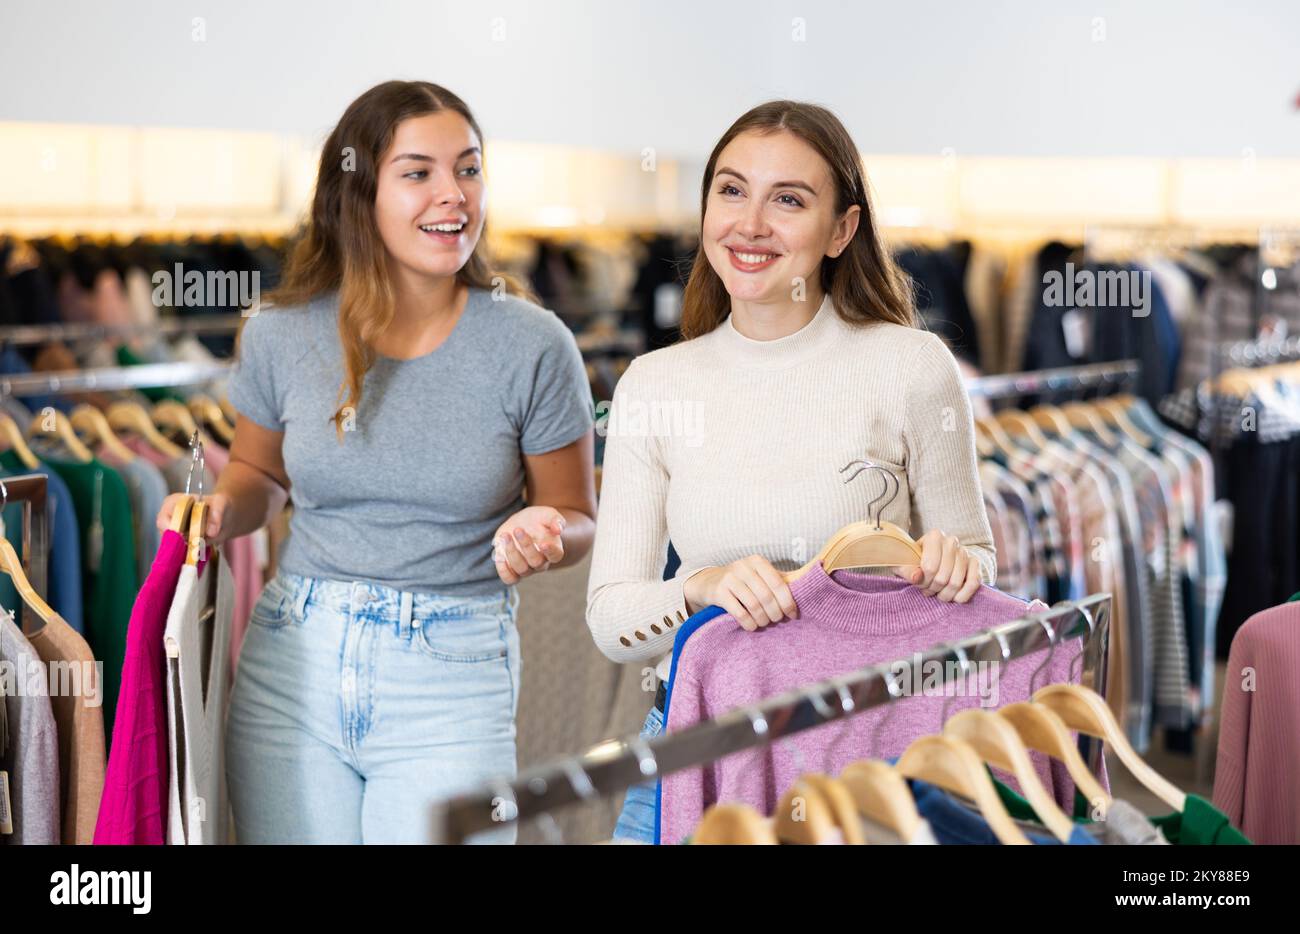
[341, 248]
[864, 282]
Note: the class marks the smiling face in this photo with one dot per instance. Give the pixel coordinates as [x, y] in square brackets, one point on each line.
[430, 198]
[770, 218]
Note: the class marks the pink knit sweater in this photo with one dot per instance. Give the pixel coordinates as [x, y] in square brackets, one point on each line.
[1258, 768]
[845, 623]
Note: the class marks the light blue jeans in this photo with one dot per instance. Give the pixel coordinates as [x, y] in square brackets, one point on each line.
[357, 706]
[636, 822]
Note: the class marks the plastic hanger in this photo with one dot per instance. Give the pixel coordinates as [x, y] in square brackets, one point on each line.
[132, 417]
[10, 432]
[865, 544]
[91, 420]
[12, 564]
[61, 430]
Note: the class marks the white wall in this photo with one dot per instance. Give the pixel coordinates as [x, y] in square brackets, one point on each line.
[1018, 77]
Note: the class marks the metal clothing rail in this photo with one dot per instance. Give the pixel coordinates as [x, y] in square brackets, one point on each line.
[114, 378]
[1008, 385]
[1256, 353]
[616, 765]
[31, 334]
[30, 491]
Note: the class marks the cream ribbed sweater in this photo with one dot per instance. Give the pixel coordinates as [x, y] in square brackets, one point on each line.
[730, 446]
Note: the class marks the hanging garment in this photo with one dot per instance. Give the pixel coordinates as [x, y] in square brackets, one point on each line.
[63, 580]
[147, 488]
[198, 668]
[29, 759]
[108, 565]
[242, 554]
[134, 805]
[79, 717]
[1199, 824]
[1258, 767]
[846, 621]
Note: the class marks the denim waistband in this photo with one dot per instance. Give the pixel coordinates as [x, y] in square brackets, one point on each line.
[389, 603]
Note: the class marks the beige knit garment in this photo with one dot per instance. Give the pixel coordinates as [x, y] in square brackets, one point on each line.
[731, 446]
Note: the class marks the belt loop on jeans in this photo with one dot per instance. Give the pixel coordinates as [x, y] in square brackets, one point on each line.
[304, 592]
[404, 617]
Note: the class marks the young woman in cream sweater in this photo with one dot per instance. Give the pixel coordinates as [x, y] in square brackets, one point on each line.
[800, 354]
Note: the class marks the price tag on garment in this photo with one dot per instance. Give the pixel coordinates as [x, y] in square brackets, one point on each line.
[6, 814]
[1075, 327]
[262, 547]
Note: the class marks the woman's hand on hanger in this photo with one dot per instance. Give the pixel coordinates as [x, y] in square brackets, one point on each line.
[750, 589]
[218, 508]
[947, 570]
[529, 542]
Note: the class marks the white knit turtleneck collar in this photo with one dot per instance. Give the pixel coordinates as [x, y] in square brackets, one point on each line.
[813, 338]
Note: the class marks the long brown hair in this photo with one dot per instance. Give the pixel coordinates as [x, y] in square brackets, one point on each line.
[341, 248]
[864, 282]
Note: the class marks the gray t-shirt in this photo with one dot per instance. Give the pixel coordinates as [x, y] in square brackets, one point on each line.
[432, 462]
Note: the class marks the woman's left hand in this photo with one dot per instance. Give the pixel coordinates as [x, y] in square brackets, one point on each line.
[947, 570]
[529, 542]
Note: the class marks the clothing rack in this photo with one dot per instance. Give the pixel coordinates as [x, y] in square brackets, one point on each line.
[1010, 385]
[112, 378]
[616, 765]
[33, 334]
[1258, 353]
[30, 491]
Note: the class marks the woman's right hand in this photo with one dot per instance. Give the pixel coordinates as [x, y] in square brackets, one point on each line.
[751, 590]
[218, 507]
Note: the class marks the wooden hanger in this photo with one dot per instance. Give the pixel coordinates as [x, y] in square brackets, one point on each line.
[994, 431]
[171, 414]
[997, 743]
[12, 565]
[10, 432]
[198, 523]
[1082, 415]
[1084, 710]
[231, 415]
[61, 430]
[804, 817]
[881, 794]
[132, 417]
[1017, 422]
[865, 544]
[91, 420]
[1113, 413]
[181, 513]
[207, 411]
[950, 763]
[1042, 729]
[733, 824]
[1050, 418]
[844, 810]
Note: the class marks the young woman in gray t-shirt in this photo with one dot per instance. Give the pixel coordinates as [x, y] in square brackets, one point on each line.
[405, 396]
